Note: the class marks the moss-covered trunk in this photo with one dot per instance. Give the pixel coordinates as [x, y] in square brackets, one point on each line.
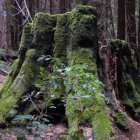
[127, 78]
[72, 38]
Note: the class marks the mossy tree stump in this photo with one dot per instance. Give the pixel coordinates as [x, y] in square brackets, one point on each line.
[72, 37]
[128, 79]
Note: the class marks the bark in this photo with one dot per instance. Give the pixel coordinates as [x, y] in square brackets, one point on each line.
[131, 23]
[4, 37]
[127, 81]
[139, 30]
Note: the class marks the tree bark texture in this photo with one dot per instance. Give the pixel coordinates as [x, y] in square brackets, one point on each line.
[4, 27]
[139, 30]
[131, 23]
[121, 20]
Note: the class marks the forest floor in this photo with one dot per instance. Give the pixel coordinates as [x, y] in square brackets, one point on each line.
[56, 132]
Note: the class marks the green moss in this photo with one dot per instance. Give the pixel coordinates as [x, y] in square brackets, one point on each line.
[31, 53]
[12, 74]
[28, 72]
[81, 22]
[61, 36]
[88, 10]
[44, 22]
[26, 40]
[24, 46]
[82, 41]
[18, 86]
[101, 124]
[128, 102]
[10, 95]
[87, 111]
[43, 30]
[121, 119]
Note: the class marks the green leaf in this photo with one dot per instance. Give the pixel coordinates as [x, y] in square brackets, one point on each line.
[45, 120]
[86, 96]
[52, 107]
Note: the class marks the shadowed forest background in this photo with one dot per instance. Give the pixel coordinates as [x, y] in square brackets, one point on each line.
[69, 69]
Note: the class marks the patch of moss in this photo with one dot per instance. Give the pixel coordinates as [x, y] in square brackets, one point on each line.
[61, 36]
[28, 72]
[26, 40]
[81, 50]
[121, 120]
[102, 126]
[25, 44]
[11, 77]
[37, 40]
[88, 111]
[81, 22]
[43, 30]
[19, 85]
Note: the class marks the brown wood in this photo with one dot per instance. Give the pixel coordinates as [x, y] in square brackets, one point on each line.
[121, 20]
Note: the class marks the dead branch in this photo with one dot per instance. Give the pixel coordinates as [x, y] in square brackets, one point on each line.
[4, 71]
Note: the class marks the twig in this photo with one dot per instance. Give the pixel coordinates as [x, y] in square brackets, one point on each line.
[20, 8]
[27, 10]
[33, 103]
[18, 12]
[6, 60]
[5, 72]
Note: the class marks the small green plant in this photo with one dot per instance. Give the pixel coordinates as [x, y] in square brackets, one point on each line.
[31, 124]
[59, 80]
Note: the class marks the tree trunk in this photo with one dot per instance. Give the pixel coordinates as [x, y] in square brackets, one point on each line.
[139, 30]
[121, 20]
[131, 23]
[4, 37]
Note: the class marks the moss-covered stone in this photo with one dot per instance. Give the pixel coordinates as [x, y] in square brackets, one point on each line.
[127, 76]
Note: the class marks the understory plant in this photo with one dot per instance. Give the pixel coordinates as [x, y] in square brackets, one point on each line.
[59, 80]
